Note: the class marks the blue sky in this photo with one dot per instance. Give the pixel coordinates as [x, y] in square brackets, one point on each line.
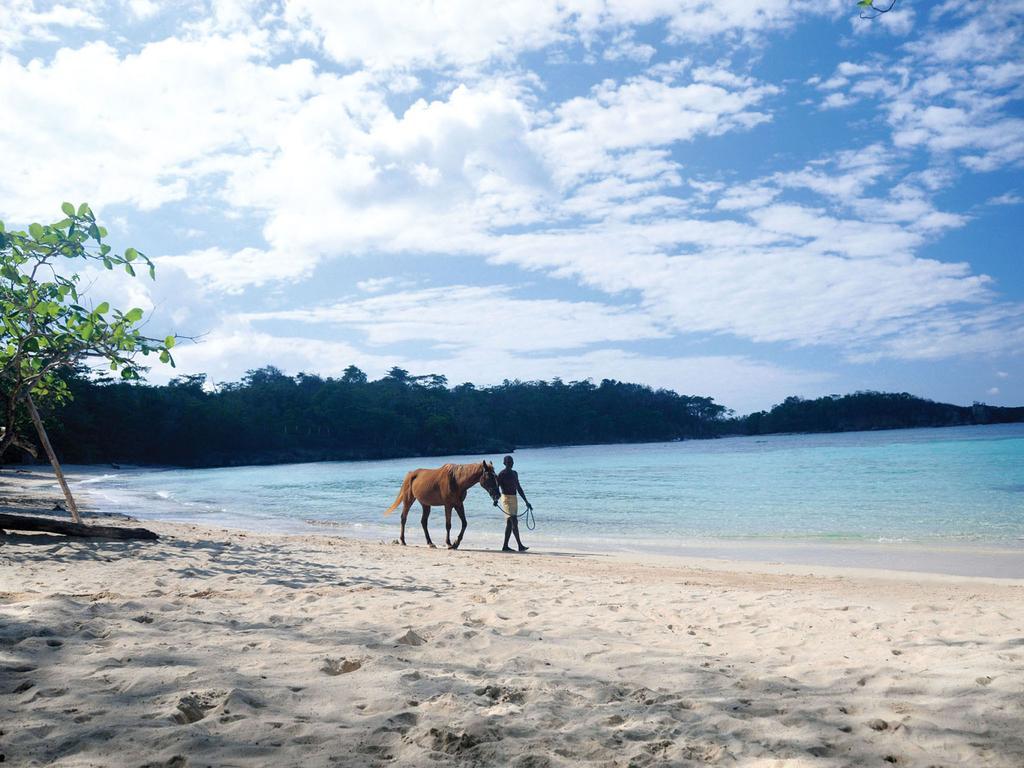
[738, 199]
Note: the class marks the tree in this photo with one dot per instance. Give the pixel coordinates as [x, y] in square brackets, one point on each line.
[398, 375]
[47, 327]
[353, 375]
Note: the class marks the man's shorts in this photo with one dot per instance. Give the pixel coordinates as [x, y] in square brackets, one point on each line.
[510, 504]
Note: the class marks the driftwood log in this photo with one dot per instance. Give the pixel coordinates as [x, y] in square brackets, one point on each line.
[47, 525]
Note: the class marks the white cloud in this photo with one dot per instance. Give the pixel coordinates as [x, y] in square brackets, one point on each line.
[744, 196]
[214, 269]
[837, 101]
[625, 46]
[159, 123]
[642, 112]
[387, 34]
[375, 284]
[142, 9]
[1007, 198]
[797, 276]
[485, 318]
[25, 20]
[950, 94]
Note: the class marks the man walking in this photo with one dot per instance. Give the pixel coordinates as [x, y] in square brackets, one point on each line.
[508, 482]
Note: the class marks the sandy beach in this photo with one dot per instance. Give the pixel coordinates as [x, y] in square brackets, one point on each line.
[223, 648]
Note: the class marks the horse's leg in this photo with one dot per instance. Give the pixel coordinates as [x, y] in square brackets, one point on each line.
[462, 519]
[406, 505]
[448, 526]
[423, 520]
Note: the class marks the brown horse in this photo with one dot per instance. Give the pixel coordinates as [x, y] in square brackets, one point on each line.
[446, 486]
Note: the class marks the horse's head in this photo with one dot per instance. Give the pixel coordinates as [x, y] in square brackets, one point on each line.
[489, 481]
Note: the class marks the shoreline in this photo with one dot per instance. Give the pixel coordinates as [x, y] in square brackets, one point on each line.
[991, 559]
[939, 560]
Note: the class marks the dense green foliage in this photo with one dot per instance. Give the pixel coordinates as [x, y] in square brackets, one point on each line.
[269, 417]
[47, 325]
[870, 410]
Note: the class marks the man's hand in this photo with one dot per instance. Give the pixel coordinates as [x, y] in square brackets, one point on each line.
[529, 507]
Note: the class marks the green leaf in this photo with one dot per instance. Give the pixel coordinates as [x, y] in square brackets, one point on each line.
[103, 308]
[165, 357]
[133, 315]
[127, 373]
[169, 342]
[152, 272]
[11, 273]
[36, 230]
[68, 208]
[131, 254]
[83, 209]
[129, 270]
[94, 232]
[108, 263]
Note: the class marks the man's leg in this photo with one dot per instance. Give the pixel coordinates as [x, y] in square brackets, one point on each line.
[508, 533]
[515, 530]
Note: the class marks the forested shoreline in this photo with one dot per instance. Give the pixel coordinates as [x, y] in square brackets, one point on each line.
[269, 417]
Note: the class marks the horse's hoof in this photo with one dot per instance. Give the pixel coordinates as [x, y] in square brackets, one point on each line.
[456, 545]
[432, 545]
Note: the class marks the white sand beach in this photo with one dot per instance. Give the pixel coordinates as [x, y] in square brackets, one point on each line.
[222, 648]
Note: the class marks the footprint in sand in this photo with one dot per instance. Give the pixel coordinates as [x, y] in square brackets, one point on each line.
[401, 723]
[411, 638]
[500, 694]
[192, 707]
[340, 666]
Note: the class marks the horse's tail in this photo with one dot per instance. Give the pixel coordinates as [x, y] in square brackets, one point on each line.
[403, 493]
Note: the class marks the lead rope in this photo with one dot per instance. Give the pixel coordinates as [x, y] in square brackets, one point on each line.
[531, 521]
[527, 514]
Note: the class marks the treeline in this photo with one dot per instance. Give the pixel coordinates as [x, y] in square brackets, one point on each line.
[270, 417]
[870, 410]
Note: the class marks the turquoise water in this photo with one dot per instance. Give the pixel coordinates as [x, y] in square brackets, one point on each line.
[961, 486]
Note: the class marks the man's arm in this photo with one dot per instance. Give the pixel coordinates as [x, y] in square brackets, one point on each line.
[523, 493]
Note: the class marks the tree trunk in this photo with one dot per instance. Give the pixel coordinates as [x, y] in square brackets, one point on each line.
[31, 523]
[72, 507]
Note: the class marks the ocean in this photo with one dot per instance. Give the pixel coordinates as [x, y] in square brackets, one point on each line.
[946, 500]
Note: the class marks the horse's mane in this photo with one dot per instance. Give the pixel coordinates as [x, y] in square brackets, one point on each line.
[463, 471]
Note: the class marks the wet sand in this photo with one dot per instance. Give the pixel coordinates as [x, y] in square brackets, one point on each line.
[222, 648]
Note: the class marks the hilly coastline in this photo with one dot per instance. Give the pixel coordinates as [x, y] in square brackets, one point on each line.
[270, 417]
